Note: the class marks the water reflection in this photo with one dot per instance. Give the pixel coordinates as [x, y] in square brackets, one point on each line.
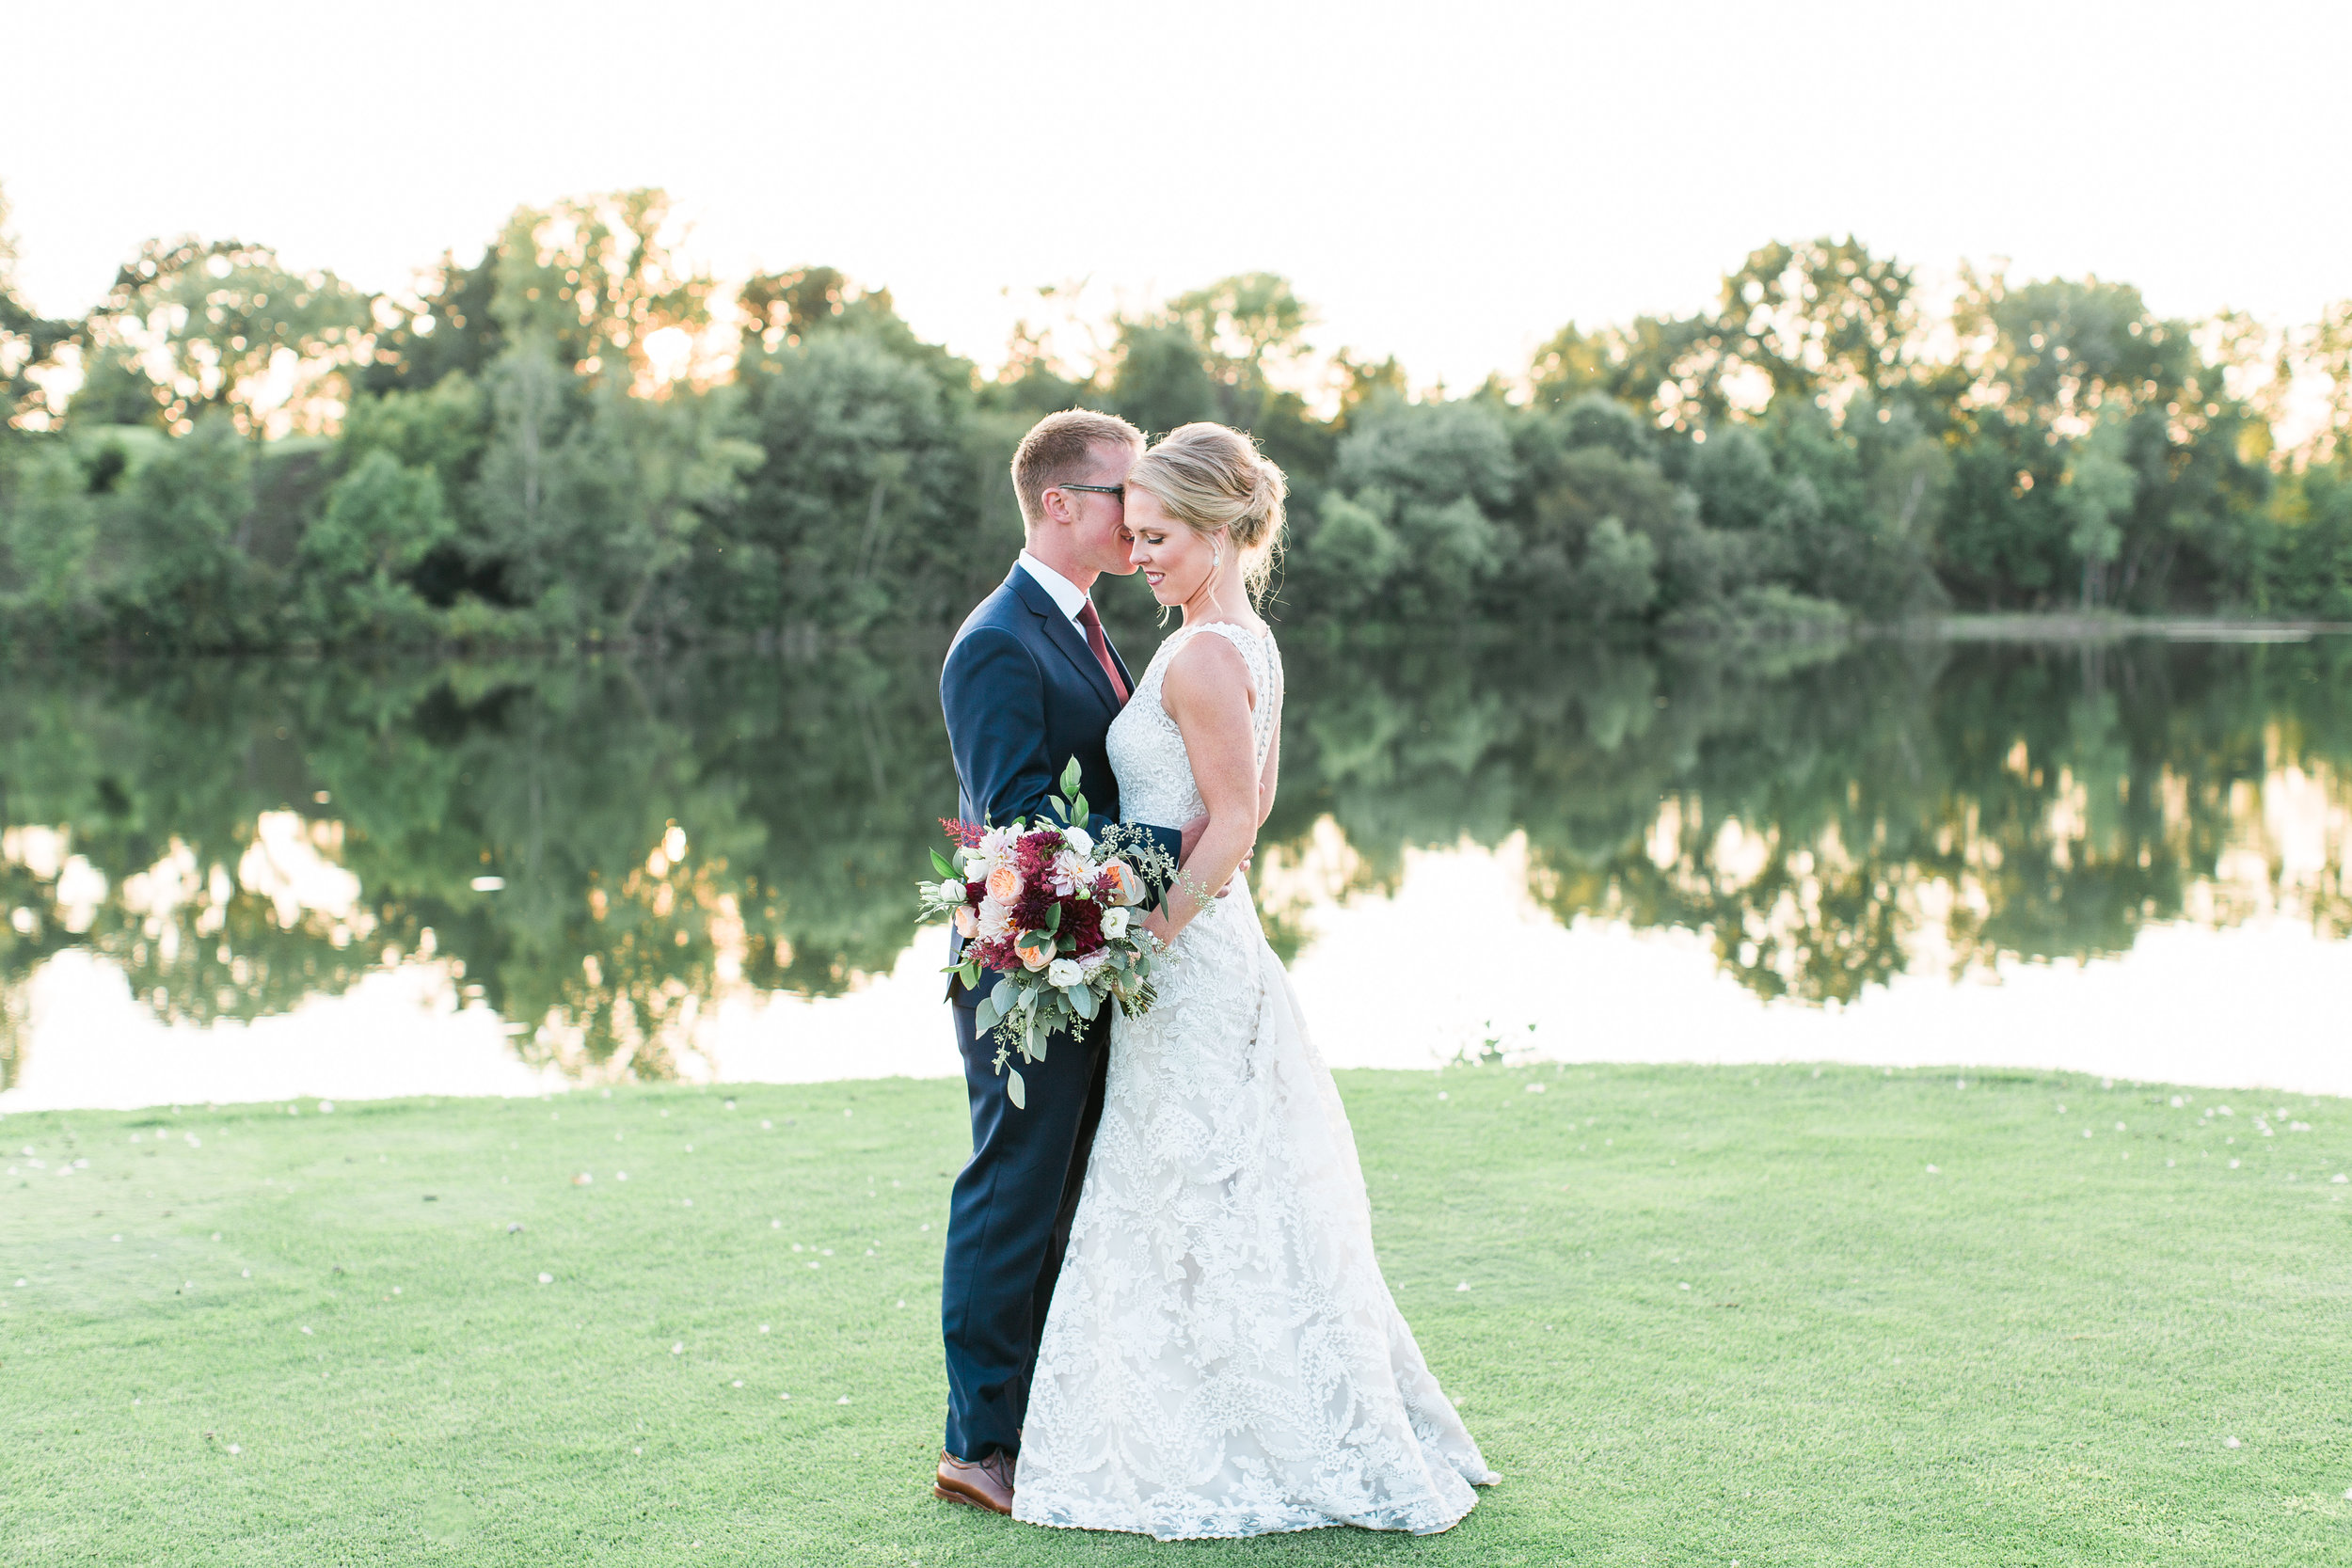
[606, 861]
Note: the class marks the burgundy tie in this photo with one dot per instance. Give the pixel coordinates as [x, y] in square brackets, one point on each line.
[1100, 646]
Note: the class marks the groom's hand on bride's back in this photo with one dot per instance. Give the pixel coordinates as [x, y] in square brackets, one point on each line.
[1189, 835]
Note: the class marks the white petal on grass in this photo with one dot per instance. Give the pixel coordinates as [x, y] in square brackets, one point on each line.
[546, 1279]
[738, 1383]
[233, 1449]
[843, 1400]
[1464, 1286]
[763, 1328]
[306, 1328]
[677, 1349]
[2230, 1443]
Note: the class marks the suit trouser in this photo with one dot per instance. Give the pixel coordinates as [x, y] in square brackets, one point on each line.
[1009, 1224]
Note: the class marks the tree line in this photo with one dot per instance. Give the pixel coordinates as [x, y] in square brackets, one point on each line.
[256, 458]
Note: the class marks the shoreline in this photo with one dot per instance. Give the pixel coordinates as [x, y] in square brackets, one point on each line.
[802, 642]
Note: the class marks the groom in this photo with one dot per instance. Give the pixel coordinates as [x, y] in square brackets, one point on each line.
[1031, 681]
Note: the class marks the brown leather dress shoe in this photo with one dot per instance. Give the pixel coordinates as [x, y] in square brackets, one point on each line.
[987, 1484]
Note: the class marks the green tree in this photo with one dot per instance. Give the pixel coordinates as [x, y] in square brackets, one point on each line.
[449, 329]
[195, 326]
[588, 496]
[594, 278]
[167, 555]
[382, 520]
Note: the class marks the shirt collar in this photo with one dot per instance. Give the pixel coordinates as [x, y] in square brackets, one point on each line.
[1067, 595]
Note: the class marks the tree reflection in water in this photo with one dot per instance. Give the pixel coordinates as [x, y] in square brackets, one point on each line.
[601, 849]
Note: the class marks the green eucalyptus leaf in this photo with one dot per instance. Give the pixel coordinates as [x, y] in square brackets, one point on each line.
[1053, 917]
[1002, 994]
[1017, 1091]
[985, 1018]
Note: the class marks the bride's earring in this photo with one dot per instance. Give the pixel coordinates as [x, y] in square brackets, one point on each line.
[1217, 557]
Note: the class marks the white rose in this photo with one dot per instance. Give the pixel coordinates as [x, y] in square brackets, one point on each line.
[1079, 840]
[951, 892]
[1115, 921]
[1064, 971]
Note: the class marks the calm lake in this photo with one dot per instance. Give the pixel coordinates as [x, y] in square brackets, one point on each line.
[225, 882]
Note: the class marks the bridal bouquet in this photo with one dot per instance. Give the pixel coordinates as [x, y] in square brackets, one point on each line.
[1055, 911]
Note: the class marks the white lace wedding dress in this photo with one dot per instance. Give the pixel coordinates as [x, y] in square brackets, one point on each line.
[1222, 1357]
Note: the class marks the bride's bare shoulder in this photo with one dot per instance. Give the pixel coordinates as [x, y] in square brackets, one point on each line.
[1207, 670]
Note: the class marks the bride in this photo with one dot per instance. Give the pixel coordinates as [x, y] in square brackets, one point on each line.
[1221, 1357]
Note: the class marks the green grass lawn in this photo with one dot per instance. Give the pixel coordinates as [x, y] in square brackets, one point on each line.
[1694, 1315]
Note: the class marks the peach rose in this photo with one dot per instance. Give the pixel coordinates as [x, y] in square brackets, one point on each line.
[1003, 884]
[967, 924]
[1035, 957]
[1121, 884]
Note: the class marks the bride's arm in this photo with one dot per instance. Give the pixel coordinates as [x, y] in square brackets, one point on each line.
[1206, 691]
[1273, 773]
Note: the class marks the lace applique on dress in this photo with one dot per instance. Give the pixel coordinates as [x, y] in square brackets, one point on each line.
[1222, 1357]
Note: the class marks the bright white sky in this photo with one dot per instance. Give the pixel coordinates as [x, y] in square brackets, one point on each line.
[1445, 183]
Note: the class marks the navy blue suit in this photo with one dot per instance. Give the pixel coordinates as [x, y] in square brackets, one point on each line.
[1022, 694]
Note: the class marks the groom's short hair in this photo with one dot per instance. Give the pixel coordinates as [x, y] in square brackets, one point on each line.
[1057, 450]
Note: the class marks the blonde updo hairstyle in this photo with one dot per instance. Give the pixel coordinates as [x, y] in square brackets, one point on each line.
[1214, 481]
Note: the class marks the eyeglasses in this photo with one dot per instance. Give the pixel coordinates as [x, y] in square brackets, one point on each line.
[1119, 490]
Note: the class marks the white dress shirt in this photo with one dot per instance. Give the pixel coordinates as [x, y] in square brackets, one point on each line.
[1067, 595]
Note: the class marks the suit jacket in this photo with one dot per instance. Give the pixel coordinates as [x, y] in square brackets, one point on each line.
[1022, 694]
